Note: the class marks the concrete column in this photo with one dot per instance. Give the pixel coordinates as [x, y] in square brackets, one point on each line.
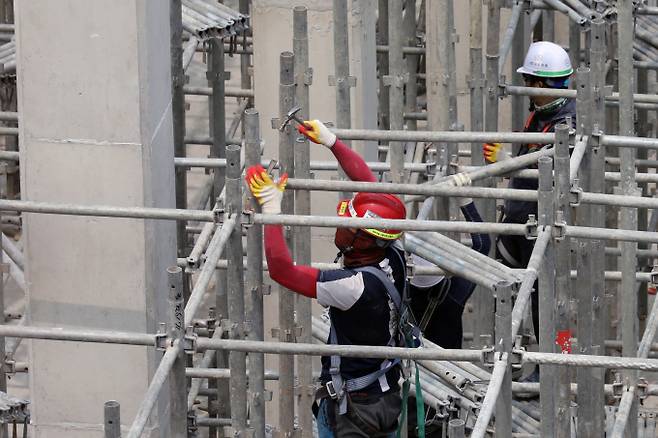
[95, 97]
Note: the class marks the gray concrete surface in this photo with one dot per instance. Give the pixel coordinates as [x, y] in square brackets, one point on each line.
[94, 94]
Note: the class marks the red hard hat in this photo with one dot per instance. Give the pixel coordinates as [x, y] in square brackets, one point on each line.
[375, 205]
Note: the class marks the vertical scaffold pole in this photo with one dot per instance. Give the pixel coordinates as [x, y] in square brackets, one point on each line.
[178, 118]
[254, 285]
[519, 47]
[112, 413]
[562, 333]
[598, 212]
[584, 284]
[574, 43]
[451, 151]
[457, 428]
[481, 298]
[395, 83]
[216, 77]
[177, 380]
[476, 79]
[546, 297]
[411, 89]
[235, 292]
[4, 267]
[303, 207]
[382, 63]
[628, 186]
[363, 30]
[287, 298]
[484, 321]
[245, 59]
[342, 79]
[548, 25]
[503, 345]
[215, 74]
[643, 214]
[438, 36]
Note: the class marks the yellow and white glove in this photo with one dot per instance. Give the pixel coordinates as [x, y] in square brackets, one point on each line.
[317, 132]
[267, 192]
[462, 179]
[494, 152]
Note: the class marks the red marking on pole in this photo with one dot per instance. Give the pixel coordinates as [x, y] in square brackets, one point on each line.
[563, 340]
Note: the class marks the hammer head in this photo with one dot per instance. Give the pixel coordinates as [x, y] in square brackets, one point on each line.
[291, 115]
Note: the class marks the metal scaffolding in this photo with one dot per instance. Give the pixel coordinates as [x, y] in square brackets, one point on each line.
[471, 390]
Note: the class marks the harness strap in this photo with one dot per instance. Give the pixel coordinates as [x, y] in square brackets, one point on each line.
[340, 385]
[434, 301]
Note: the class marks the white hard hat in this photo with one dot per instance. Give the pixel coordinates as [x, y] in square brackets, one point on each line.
[546, 60]
[424, 281]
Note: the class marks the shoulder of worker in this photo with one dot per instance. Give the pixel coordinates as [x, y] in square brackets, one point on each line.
[343, 288]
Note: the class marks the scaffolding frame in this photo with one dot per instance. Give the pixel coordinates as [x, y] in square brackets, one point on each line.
[566, 182]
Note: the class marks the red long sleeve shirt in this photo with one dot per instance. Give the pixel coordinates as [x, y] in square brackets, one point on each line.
[303, 279]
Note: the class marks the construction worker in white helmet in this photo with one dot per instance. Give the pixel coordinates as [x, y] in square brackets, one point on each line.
[546, 65]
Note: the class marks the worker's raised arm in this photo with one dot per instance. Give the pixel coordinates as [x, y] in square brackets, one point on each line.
[481, 241]
[300, 279]
[352, 163]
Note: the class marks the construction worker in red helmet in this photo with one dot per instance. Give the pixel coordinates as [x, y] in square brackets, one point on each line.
[359, 397]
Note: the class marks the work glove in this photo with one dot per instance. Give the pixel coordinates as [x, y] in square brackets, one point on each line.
[462, 179]
[493, 153]
[267, 192]
[317, 132]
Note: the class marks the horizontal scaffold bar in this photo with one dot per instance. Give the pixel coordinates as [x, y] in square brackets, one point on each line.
[483, 137]
[420, 353]
[62, 334]
[334, 221]
[516, 90]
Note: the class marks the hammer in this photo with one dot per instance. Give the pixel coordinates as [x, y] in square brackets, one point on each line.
[290, 116]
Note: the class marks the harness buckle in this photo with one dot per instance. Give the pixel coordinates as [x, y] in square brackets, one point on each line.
[331, 391]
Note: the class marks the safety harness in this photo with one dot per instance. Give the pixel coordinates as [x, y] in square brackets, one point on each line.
[407, 335]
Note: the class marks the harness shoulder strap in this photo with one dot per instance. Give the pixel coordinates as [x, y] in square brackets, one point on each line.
[341, 385]
[528, 121]
[388, 284]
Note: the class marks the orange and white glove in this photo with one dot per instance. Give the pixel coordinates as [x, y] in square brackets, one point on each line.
[267, 192]
[317, 132]
[493, 153]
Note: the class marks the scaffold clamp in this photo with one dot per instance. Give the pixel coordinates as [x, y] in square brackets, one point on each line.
[617, 388]
[654, 274]
[560, 226]
[430, 168]
[10, 364]
[305, 78]
[488, 356]
[335, 81]
[161, 337]
[516, 357]
[642, 388]
[396, 81]
[191, 421]
[189, 340]
[247, 218]
[576, 194]
[531, 227]
[218, 215]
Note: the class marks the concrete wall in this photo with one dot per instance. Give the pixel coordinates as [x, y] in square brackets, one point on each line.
[94, 96]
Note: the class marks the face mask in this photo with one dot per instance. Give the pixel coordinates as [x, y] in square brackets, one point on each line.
[357, 248]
